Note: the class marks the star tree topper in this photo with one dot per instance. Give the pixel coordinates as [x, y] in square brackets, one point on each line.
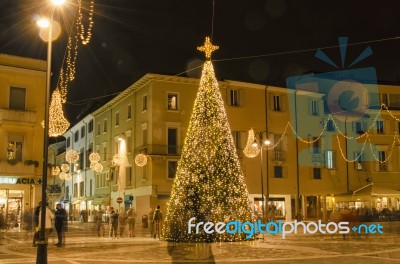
[208, 48]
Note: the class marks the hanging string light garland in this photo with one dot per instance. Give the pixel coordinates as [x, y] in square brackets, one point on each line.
[58, 124]
[249, 152]
[85, 39]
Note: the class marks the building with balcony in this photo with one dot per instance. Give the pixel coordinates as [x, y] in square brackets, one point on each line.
[22, 93]
[151, 117]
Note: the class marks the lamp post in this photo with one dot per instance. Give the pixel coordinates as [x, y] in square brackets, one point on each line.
[41, 257]
[258, 145]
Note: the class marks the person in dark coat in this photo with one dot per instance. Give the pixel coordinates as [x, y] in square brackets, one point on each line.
[113, 224]
[36, 224]
[60, 223]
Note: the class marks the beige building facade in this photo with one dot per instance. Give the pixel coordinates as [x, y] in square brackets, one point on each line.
[22, 93]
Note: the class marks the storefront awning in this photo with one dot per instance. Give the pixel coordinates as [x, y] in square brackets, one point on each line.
[374, 190]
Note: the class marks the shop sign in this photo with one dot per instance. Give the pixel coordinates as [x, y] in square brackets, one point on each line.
[16, 180]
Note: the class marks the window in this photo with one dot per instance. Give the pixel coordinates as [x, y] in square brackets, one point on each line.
[172, 166]
[172, 140]
[314, 107]
[90, 126]
[316, 145]
[104, 152]
[382, 160]
[105, 126]
[91, 187]
[68, 142]
[88, 152]
[81, 189]
[331, 159]
[233, 97]
[144, 173]
[82, 131]
[317, 173]
[81, 158]
[129, 111]
[15, 147]
[277, 103]
[128, 143]
[17, 98]
[76, 136]
[144, 102]
[384, 99]
[278, 172]
[117, 119]
[75, 190]
[236, 139]
[67, 192]
[379, 127]
[330, 126]
[128, 174]
[172, 101]
[359, 163]
[359, 127]
[98, 129]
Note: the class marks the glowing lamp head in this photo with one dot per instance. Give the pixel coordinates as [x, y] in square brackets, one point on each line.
[43, 23]
[58, 2]
[255, 144]
[267, 142]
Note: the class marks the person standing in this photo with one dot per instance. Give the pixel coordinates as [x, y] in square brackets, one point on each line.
[60, 223]
[113, 224]
[48, 222]
[36, 224]
[131, 213]
[157, 218]
[121, 224]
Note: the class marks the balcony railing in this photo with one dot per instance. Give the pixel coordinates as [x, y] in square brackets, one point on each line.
[278, 155]
[155, 149]
[17, 116]
[19, 169]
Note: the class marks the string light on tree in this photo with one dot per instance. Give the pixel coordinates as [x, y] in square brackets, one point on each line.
[209, 183]
[250, 150]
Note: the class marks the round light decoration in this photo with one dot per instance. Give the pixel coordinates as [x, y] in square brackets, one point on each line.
[65, 167]
[140, 160]
[251, 151]
[98, 167]
[62, 175]
[94, 157]
[71, 156]
[55, 171]
[68, 176]
[117, 160]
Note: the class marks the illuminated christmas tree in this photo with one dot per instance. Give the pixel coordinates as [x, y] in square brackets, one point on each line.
[209, 183]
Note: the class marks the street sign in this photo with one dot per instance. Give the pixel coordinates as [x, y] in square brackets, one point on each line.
[120, 200]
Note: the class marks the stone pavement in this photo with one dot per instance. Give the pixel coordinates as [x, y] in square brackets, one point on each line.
[85, 248]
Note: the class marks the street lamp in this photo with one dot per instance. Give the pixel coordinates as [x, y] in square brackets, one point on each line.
[41, 256]
[254, 146]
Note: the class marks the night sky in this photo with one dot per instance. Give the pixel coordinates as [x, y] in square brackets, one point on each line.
[260, 41]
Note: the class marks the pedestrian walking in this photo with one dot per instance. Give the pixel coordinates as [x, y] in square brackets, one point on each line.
[60, 223]
[48, 222]
[113, 224]
[36, 224]
[131, 214]
[122, 224]
[157, 218]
